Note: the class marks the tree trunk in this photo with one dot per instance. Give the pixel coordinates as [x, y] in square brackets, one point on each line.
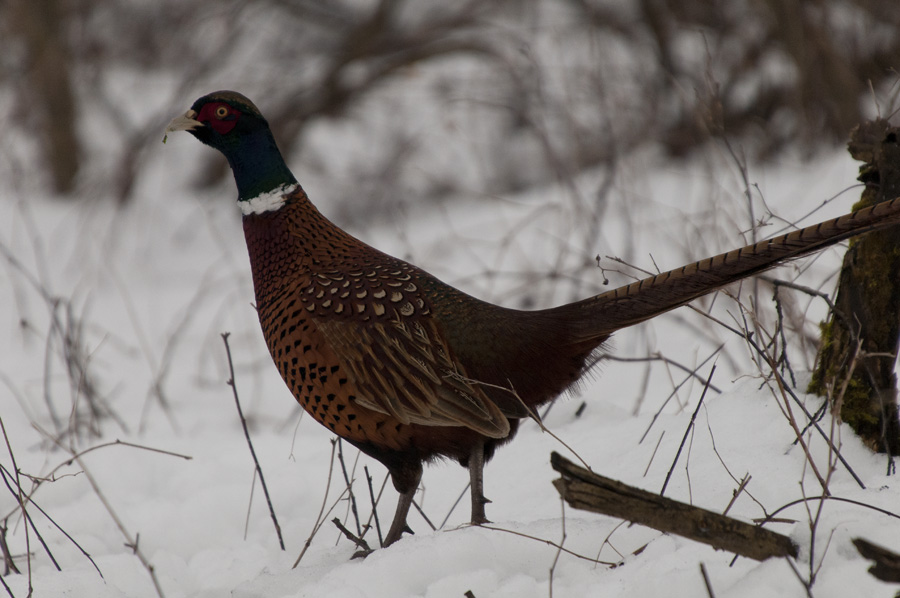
[867, 307]
[48, 88]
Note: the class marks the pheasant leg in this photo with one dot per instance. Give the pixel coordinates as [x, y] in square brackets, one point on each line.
[398, 525]
[476, 484]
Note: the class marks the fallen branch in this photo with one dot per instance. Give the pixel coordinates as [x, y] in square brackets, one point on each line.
[586, 490]
[887, 563]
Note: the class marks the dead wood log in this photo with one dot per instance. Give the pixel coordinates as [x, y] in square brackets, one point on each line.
[887, 562]
[584, 489]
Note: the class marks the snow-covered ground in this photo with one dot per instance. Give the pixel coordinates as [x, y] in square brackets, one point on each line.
[141, 294]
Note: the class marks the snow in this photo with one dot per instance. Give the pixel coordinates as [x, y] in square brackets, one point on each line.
[153, 285]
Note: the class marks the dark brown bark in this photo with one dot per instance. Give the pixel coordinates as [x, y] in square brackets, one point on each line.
[867, 306]
[584, 489]
[887, 562]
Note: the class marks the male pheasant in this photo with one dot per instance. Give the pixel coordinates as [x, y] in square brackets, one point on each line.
[404, 366]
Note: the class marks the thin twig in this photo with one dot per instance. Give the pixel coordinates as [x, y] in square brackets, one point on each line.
[50, 475]
[792, 421]
[374, 505]
[737, 493]
[19, 494]
[549, 543]
[607, 541]
[29, 522]
[454, 505]
[675, 391]
[769, 342]
[250, 505]
[772, 516]
[688, 430]
[319, 519]
[8, 561]
[424, 516]
[779, 328]
[800, 577]
[360, 543]
[653, 456]
[7, 588]
[562, 540]
[129, 541]
[349, 483]
[706, 582]
[61, 530]
[376, 500]
[742, 483]
[237, 402]
[759, 351]
[656, 356]
[531, 412]
[836, 400]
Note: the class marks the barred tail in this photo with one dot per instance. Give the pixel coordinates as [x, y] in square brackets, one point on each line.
[599, 316]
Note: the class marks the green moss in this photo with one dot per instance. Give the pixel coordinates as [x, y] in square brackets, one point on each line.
[869, 295]
[857, 406]
[819, 375]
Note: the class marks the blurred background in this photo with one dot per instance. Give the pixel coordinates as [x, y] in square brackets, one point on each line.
[539, 90]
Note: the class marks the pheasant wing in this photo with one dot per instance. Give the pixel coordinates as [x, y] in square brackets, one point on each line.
[402, 366]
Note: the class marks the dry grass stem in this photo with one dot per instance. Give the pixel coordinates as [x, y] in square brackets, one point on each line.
[231, 382]
[687, 431]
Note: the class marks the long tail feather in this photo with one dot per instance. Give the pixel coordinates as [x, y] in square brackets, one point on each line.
[601, 315]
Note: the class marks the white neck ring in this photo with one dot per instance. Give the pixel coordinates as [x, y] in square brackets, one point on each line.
[269, 201]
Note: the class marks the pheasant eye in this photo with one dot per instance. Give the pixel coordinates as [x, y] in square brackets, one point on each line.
[221, 112]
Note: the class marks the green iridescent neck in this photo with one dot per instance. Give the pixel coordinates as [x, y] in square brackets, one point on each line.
[257, 165]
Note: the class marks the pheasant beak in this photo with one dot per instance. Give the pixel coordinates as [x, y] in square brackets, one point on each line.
[186, 122]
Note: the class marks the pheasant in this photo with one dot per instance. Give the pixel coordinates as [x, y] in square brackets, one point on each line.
[408, 368]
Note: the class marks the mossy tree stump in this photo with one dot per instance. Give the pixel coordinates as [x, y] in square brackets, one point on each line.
[867, 306]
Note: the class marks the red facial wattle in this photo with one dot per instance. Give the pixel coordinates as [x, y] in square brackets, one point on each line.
[220, 116]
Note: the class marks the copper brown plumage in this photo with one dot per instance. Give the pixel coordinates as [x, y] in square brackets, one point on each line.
[404, 366]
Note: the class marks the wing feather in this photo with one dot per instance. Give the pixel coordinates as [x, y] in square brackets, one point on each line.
[403, 367]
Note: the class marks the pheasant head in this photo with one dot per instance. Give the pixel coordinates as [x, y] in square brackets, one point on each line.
[230, 123]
